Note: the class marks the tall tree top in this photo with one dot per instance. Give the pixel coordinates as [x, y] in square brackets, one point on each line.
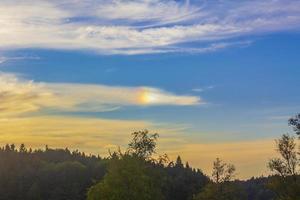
[143, 144]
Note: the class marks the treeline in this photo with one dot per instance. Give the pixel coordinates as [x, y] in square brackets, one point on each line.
[47, 174]
[139, 173]
[59, 174]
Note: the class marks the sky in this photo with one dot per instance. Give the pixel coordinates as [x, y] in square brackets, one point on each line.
[214, 78]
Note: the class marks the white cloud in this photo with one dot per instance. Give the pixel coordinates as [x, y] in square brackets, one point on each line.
[140, 10]
[20, 96]
[138, 26]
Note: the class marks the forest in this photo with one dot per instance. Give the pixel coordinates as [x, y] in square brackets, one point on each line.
[139, 173]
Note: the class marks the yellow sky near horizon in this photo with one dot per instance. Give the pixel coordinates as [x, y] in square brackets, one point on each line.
[97, 136]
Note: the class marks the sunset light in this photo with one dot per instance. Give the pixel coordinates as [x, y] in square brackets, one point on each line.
[149, 99]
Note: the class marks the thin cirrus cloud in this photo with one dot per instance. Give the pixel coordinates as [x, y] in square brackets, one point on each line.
[134, 11]
[20, 96]
[4, 59]
[139, 26]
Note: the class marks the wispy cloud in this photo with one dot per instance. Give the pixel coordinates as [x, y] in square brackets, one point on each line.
[139, 26]
[4, 59]
[135, 11]
[280, 117]
[202, 89]
[22, 96]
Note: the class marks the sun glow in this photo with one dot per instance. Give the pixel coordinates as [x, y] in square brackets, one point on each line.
[148, 97]
[152, 96]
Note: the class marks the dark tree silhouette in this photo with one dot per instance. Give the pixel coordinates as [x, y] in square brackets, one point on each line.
[221, 187]
[50, 174]
[286, 182]
[143, 144]
[295, 123]
[287, 164]
[222, 172]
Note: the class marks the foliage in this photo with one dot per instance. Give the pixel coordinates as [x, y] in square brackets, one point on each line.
[222, 172]
[220, 188]
[287, 164]
[286, 183]
[130, 175]
[257, 189]
[53, 174]
[183, 182]
[222, 191]
[143, 144]
[285, 188]
[295, 123]
[136, 175]
[128, 178]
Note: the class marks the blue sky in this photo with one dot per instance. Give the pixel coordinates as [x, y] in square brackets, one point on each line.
[198, 72]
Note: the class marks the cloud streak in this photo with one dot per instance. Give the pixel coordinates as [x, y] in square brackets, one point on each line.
[20, 96]
[4, 59]
[138, 26]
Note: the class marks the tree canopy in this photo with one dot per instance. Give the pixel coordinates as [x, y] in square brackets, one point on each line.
[130, 175]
